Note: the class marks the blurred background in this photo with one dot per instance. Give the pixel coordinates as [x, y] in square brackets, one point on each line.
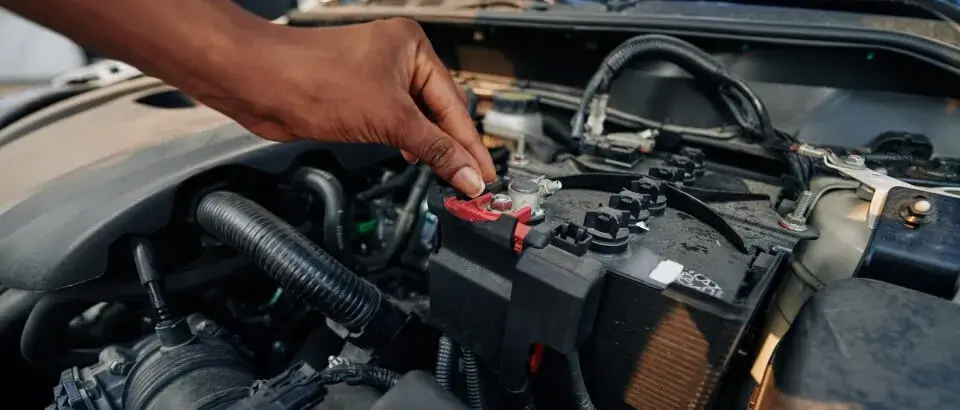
[31, 55]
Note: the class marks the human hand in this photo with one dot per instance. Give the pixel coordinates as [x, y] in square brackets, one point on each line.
[378, 82]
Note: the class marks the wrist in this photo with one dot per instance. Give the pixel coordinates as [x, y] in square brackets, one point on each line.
[218, 57]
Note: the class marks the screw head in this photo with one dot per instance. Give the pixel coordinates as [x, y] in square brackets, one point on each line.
[921, 207]
[501, 202]
[854, 161]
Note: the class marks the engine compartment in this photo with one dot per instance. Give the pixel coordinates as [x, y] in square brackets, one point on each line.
[612, 265]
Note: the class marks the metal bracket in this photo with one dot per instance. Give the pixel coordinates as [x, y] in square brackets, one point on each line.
[881, 183]
[99, 74]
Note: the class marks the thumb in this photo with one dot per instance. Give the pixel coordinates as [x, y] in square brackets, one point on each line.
[447, 157]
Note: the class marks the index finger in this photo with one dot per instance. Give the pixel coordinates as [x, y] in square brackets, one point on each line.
[445, 100]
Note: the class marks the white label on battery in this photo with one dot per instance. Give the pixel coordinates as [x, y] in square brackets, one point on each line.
[666, 272]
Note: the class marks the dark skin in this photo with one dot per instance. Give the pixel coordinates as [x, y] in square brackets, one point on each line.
[378, 82]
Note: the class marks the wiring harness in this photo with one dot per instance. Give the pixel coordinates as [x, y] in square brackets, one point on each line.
[744, 105]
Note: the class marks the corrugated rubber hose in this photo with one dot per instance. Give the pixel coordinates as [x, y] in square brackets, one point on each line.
[474, 385]
[298, 265]
[446, 366]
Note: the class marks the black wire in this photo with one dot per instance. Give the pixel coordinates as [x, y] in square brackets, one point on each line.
[577, 384]
[360, 374]
[801, 167]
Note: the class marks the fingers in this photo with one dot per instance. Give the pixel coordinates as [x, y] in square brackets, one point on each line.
[409, 157]
[446, 156]
[446, 101]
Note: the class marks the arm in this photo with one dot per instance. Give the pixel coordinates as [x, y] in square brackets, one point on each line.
[174, 40]
[360, 83]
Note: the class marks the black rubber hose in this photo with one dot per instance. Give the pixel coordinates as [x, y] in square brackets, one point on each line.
[360, 374]
[472, 381]
[446, 366]
[394, 184]
[15, 307]
[299, 266]
[405, 220]
[44, 334]
[559, 131]
[330, 191]
[579, 387]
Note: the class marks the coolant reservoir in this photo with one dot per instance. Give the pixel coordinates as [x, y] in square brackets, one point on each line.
[514, 115]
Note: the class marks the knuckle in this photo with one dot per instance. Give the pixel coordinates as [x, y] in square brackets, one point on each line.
[438, 152]
[400, 130]
[407, 26]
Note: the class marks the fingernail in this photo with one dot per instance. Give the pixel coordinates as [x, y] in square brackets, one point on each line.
[468, 180]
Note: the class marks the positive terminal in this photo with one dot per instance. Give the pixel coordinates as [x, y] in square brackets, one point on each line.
[501, 203]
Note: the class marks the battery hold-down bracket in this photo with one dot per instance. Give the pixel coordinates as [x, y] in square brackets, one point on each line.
[499, 286]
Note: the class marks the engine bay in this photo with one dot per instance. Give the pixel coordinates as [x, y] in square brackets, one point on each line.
[617, 262]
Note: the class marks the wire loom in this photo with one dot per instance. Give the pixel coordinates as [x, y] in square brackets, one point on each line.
[746, 107]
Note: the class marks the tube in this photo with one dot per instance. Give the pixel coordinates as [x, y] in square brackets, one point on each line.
[389, 186]
[330, 191]
[471, 376]
[299, 266]
[44, 334]
[446, 363]
[367, 375]
[15, 307]
[577, 384]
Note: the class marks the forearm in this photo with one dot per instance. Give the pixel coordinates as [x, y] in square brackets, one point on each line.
[176, 40]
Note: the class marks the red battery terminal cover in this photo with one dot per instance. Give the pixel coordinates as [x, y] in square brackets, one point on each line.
[477, 210]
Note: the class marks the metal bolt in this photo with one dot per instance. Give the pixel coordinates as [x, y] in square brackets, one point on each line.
[916, 212]
[921, 207]
[796, 220]
[118, 367]
[501, 202]
[854, 161]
